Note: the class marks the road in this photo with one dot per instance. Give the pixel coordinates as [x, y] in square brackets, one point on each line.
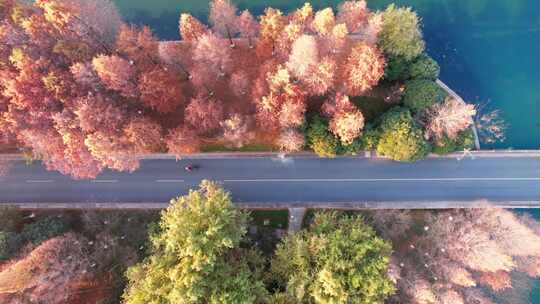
[298, 180]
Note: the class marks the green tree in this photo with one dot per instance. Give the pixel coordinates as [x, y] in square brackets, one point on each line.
[339, 259]
[320, 140]
[424, 67]
[400, 138]
[400, 34]
[397, 68]
[421, 94]
[195, 255]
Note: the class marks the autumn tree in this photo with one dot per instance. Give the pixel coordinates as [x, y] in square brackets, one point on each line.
[449, 118]
[400, 34]
[214, 53]
[161, 89]
[182, 140]
[363, 69]
[303, 57]
[237, 130]
[324, 22]
[240, 83]
[291, 140]
[117, 74]
[46, 273]
[346, 120]
[95, 21]
[224, 19]
[145, 134]
[140, 46]
[271, 25]
[196, 256]
[354, 14]
[321, 265]
[191, 29]
[247, 26]
[204, 114]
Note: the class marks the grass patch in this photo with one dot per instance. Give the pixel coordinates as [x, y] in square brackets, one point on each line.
[371, 107]
[276, 219]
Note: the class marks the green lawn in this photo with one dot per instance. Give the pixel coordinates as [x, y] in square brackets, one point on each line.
[276, 219]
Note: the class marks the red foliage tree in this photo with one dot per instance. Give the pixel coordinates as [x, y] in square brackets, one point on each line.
[140, 46]
[291, 140]
[191, 29]
[223, 17]
[98, 112]
[214, 53]
[237, 130]
[144, 134]
[204, 114]
[247, 26]
[182, 140]
[271, 25]
[114, 151]
[303, 57]
[161, 89]
[363, 69]
[347, 121]
[354, 14]
[116, 74]
[240, 83]
[320, 78]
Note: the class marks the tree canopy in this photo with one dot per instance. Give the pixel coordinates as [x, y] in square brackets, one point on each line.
[195, 255]
[400, 137]
[339, 259]
[400, 34]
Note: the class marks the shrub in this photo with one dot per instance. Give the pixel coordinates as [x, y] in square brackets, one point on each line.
[400, 138]
[400, 34]
[421, 94]
[464, 140]
[10, 218]
[9, 244]
[424, 67]
[44, 229]
[320, 140]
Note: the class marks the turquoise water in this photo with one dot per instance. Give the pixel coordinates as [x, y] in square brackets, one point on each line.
[488, 49]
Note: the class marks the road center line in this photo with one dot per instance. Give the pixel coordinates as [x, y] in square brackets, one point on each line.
[169, 181]
[105, 181]
[40, 181]
[441, 179]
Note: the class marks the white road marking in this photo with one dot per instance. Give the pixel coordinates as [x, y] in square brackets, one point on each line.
[105, 181]
[40, 181]
[169, 181]
[442, 179]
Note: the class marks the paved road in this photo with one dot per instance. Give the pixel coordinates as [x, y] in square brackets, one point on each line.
[296, 180]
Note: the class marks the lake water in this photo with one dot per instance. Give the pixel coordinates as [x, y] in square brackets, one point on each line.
[489, 50]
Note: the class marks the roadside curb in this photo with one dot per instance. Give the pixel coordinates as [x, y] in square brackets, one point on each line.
[371, 205]
[363, 154]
